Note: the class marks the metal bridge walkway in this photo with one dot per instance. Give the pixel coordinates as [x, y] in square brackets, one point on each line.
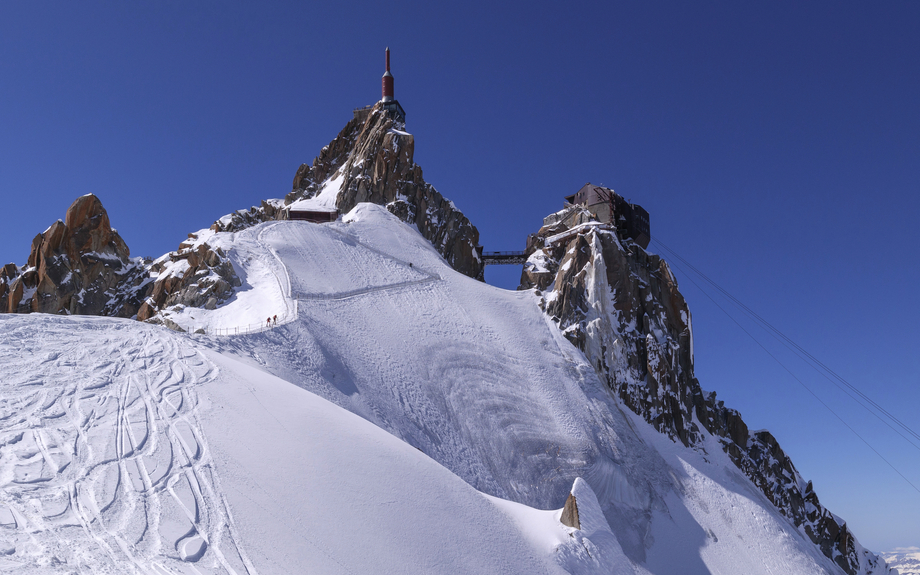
[503, 258]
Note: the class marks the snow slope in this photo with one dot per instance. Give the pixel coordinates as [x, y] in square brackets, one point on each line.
[129, 448]
[148, 454]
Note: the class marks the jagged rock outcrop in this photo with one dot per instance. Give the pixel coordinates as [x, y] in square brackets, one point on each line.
[267, 211]
[77, 266]
[195, 275]
[621, 306]
[373, 155]
[309, 178]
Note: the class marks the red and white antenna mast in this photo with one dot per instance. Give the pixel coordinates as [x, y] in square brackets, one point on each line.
[387, 82]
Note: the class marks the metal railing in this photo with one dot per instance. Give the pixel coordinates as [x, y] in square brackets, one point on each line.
[236, 330]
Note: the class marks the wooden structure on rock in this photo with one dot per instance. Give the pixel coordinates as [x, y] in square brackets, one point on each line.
[316, 216]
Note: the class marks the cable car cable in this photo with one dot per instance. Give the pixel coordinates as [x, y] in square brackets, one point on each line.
[861, 438]
[772, 331]
[770, 328]
[799, 351]
[787, 342]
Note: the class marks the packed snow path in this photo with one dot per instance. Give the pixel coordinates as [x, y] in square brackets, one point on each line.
[110, 470]
[329, 265]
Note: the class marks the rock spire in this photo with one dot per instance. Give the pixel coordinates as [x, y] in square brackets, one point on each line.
[373, 158]
[621, 306]
[77, 266]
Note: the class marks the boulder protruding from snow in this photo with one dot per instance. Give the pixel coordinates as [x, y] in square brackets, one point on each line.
[569, 516]
[591, 547]
[373, 155]
[77, 266]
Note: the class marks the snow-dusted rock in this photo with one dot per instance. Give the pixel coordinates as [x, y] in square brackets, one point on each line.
[266, 211]
[592, 547]
[195, 275]
[621, 306]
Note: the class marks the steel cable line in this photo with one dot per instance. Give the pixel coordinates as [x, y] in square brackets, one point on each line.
[777, 334]
[808, 358]
[800, 352]
[848, 426]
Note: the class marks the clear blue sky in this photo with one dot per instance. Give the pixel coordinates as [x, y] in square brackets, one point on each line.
[775, 145]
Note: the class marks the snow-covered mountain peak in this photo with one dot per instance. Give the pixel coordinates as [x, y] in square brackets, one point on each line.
[372, 160]
[350, 385]
[151, 450]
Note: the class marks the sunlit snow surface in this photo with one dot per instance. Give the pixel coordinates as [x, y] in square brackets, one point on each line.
[127, 448]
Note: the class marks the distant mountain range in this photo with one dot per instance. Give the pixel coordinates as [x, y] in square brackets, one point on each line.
[905, 559]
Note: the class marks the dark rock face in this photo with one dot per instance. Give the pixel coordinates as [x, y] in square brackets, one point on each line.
[570, 513]
[375, 156]
[78, 266]
[11, 287]
[195, 275]
[309, 178]
[621, 306]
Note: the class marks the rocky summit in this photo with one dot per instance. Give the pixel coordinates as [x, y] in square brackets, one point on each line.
[78, 266]
[621, 306]
[373, 155]
[371, 160]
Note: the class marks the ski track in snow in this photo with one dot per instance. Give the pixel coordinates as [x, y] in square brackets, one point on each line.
[329, 265]
[114, 466]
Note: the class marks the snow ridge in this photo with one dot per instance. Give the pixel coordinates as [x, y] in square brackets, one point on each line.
[402, 417]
